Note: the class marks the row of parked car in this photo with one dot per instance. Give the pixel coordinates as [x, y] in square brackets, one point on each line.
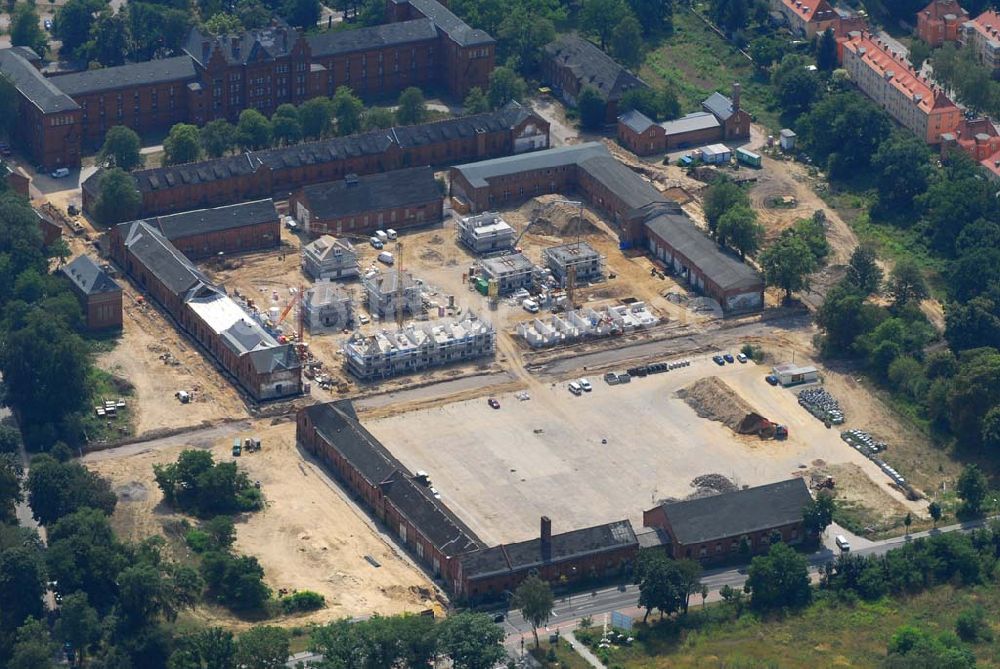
[722, 358]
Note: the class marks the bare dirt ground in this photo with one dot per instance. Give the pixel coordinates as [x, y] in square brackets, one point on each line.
[308, 537]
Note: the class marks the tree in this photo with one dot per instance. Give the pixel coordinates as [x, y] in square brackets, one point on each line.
[534, 598]
[287, 129]
[592, 108]
[505, 86]
[863, 272]
[378, 117]
[222, 23]
[72, 23]
[659, 582]
[903, 172]
[658, 105]
[826, 51]
[411, 108]
[843, 131]
[797, 91]
[973, 324]
[121, 149]
[475, 102]
[25, 31]
[934, 508]
[196, 483]
[472, 641]
[264, 647]
[303, 13]
[907, 521]
[347, 109]
[22, 584]
[315, 116]
[906, 284]
[219, 136]
[739, 228]
[911, 648]
[654, 15]
[730, 15]
[600, 17]
[83, 555]
[779, 579]
[33, 647]
[182, 145]
[626, 41]
[78, 626]
[787, 264]
[238, 581]
[57, 489]
[109, 39]
[253, 131]
[720, 197]
[118, 199]
[972, 626]
[11, 472]
[818, 514]
[525, 29]
[972, 489]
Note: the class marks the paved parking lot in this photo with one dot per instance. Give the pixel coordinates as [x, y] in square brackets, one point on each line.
[502, 469]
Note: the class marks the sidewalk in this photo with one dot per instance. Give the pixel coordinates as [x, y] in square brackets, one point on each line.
[582, 650]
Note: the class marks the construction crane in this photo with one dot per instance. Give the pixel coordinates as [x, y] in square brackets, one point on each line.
[536, 216]
[296, 300]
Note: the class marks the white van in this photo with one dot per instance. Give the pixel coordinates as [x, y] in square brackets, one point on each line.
[386, 257]
[530, 306]
[382, 237]
[842, 543]
[391, 234]
[60, 173]
[575, 388]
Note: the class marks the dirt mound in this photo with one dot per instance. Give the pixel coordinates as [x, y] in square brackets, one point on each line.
[712, 398]
[555, 225]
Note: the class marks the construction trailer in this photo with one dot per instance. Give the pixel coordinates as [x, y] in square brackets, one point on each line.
[586, 263]
[330, 258]
[390, 292]
[510, 272]
[716, 154]
[419, 346]
[486, 233]
[327, 307]
[748, 158]
[790, 374]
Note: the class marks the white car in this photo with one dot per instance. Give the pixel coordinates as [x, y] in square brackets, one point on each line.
[585, 384]
[530, 306]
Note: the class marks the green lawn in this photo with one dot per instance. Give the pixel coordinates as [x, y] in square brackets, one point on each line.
[695, 61]
[825, 635]
[565, 656]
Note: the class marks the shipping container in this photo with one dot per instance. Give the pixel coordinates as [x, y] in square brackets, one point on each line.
[748, 157]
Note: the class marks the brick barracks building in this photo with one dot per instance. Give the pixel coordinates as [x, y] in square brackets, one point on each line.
[260, 174]
[424, 44]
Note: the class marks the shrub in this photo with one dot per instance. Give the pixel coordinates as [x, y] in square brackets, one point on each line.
[972, 627]
[304, 600]
[198, 541]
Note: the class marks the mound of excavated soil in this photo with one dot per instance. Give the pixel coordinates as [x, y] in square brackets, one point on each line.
[712, 398]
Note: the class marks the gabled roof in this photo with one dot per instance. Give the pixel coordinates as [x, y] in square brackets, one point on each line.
[336, 148]
[429, 516]
[692, 122]
[261, 44]
[478, 174]
[179, 69]
[526, 555]
[987, 24]
[592, 67]
[737, 513]
[811, 10]
[383, 190]
[333, 42]
[88, 277]
[719, 105]
[162, 259]
[636, 121]
[454, 27]
[32, 84]
[205, 171]
[326, 246]
[943, 9]
[201, 221]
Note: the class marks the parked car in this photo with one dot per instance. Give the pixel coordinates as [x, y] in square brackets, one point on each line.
[728, 357]
[494, 404]
[772, 379]
[382, 236]
[391, 234]
[575, 388]
[60, 173]
[375, 242]
[742, 358]
[717, 359]
[842, 543]
[611, 379]
[585, 384]
[48, 24]
[530, 306]
[386, 257]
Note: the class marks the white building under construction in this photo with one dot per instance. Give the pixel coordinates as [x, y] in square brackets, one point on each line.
[578, 257]
[419, 346]
[584, 323]
[389, 292]
[486, 233]
[330, 258]
[327, 307]
[511, 272]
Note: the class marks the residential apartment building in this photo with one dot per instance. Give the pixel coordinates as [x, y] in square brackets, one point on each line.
[941, 21]
[217, 77]
[982, 35]
[806, 18]
[889, 80]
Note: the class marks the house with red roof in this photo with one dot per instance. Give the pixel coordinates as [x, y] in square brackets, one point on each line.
[941, 21]
[982, 35]
[807, 17]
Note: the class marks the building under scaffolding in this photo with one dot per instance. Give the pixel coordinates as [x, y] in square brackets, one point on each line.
[511, 272]
[583, 323]
[330, 258]
[486, 233]
[385, 296]
[326, 307]
[581, 256]
[419, 346]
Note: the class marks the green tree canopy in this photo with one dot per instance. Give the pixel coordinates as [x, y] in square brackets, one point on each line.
[475, 102]
[25, 31]
[626, 41]
[121, 148]
[592, 108]
[787, 264]
[263, 647]
[72, 23]
[218, 136]
[253, 131]
[779, 579]
[315, 116]
[906, 284]
[57, 489]
[347, 109]
[534, 598]
[972, 488]
[739, 228]
[720, 197]
[286, 126]
[118, 198]
[182, 145]
[505, 85]
[600, 18]
[411, 107]
[472, 641]
[863, 271]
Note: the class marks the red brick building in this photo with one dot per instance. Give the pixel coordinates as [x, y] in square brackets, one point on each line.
[259, 174]
[361, 205]
[424, 45]
[710, 529]
[100, 297]
[941, 21]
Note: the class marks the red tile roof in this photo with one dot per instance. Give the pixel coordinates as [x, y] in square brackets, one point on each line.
[938, 9]
[811, 10]
[988, 24]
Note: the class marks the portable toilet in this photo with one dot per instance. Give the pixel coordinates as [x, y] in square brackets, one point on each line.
[787, 139]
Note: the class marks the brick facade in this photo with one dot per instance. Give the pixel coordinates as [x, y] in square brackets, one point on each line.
[941, 21]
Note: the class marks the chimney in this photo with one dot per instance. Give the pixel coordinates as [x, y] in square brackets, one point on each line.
[546, 537]
[736, 96]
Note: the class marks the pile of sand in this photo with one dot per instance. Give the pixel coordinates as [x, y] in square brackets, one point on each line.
[712, 398]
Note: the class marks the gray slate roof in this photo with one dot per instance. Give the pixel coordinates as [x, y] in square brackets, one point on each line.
[691, 123]
[725, 270]
[718, 104]
[162, 259]
[385, 190]
[88, 277]
[32, 84]
[257, 45]
[430, 516]
[200, 221]
[451, 25]
[478, 174]
[160, 178]
[737, 513]
[333, 42]
[525, 555]
[592, 67]
[179, 69]
[636, 120]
